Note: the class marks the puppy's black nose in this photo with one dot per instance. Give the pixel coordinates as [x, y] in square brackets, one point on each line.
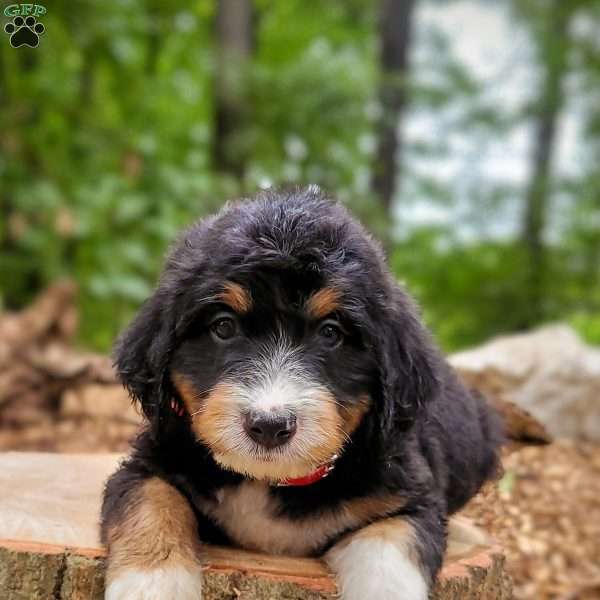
[270, 430]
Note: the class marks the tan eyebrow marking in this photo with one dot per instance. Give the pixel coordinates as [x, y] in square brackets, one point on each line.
[237, 297]
[323, 302]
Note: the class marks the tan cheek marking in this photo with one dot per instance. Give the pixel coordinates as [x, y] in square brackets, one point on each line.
[322, 303]
[211, 414]
[237, 297]
[158, 527]
[252, 518]
[331, 424]
[337, 426]
[353, 415]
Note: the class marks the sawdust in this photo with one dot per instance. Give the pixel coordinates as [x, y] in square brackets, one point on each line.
[545, 512]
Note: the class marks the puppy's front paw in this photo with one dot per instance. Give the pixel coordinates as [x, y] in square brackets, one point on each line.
[376, 569]
[166, 583]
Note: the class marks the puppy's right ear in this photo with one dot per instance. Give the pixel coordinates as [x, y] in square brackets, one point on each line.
[142, 355]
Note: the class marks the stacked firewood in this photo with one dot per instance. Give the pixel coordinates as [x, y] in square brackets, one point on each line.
[53, 396]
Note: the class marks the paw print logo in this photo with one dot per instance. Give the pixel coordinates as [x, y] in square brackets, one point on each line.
[24, 32]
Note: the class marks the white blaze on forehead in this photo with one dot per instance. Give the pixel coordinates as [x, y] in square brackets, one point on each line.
[281, 383]
[280, 392]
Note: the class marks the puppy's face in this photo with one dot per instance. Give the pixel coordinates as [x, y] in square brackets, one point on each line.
[278, 326]
[274, 375]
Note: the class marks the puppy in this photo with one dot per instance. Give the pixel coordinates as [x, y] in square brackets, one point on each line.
[295, 405]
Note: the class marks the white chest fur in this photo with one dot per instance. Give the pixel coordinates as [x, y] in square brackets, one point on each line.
[249, 515]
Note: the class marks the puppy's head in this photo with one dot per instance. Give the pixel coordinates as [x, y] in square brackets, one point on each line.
[275, 330]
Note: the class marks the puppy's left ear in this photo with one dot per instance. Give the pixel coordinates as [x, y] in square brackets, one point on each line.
[409, 363]
[142, 355]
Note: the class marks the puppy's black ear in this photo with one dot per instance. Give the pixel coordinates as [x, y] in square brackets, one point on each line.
[409, 363]
[142, 355]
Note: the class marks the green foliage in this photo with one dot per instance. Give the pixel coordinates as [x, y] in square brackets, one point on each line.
[106, 135]
[106, 151]
[100, 166]
[468, 292]
[506, 485]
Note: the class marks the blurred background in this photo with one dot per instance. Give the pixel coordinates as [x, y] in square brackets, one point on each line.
[464, 133]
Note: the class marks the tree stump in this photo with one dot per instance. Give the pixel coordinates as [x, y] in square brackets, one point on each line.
[48, 544]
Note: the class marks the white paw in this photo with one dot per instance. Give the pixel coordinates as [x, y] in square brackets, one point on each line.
[167, 583]
[376, 569]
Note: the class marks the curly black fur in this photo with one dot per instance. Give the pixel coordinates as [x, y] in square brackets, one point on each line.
[426, 437]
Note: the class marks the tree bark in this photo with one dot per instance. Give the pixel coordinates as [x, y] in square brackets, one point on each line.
[49, 544]
[554, 49]
[38, 571]
[395, 32]
[234, 47]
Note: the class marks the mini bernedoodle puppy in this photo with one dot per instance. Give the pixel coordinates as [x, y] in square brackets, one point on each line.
[296, 405]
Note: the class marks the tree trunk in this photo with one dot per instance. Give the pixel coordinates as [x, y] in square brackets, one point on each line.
[234, 46]
[554, 49]
[395, 32]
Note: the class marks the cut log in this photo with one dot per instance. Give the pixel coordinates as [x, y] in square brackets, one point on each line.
[47, 387]
[49, 544]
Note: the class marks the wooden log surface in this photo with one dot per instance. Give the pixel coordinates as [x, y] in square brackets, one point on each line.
[50, 502]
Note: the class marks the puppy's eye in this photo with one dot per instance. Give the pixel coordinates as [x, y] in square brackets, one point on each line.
[331, 333]
[224, 328]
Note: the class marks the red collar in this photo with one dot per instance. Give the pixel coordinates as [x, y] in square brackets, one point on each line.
[316, 475]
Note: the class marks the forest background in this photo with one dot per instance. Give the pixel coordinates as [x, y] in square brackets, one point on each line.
[463, 133]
